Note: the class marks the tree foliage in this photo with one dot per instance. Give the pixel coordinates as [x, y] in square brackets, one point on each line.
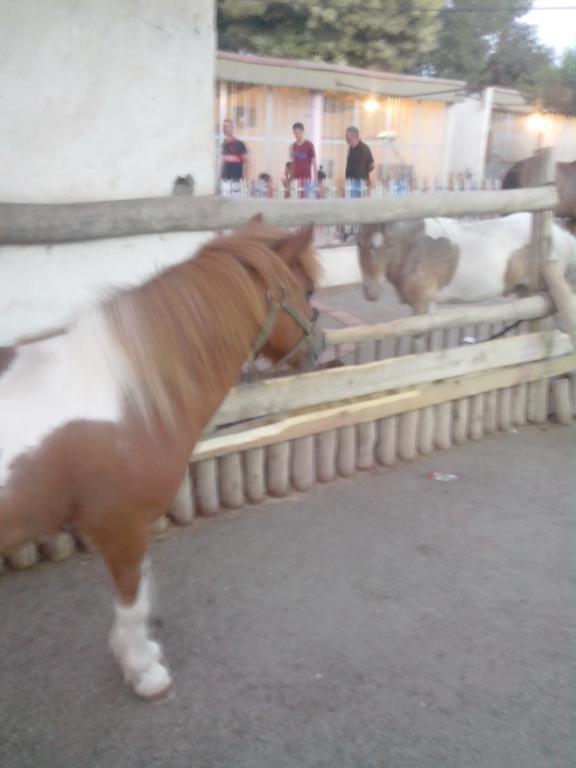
[486, 48]
[393, 35]
[468, 35]
[559, 92]
[481, 43]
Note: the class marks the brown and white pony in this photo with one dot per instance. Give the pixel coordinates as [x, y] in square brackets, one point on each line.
[430, 261]
[98, 422]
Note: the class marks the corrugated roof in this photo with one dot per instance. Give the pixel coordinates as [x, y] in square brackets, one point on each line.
[314, 75]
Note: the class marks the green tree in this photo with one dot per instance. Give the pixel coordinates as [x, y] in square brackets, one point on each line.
[469, 33]
[560, 96]
[517, 60]
[393, 35]
[486, 44]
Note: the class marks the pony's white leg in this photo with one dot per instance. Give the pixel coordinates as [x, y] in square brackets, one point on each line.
[138, 655]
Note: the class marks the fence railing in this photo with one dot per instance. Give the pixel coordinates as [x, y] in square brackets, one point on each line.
[353, 188]
[31, 223]
[327, 189]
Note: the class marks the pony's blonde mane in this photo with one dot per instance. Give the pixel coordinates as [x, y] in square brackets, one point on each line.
[188, 330]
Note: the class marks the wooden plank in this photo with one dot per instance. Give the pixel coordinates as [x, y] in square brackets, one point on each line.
[543, 171]
[313, 389]
[531, 308]
[380, 407]
[562, 296]
[34, 224]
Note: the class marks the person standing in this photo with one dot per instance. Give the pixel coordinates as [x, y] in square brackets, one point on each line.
[234, 155]
[303, 158]
[360, 162]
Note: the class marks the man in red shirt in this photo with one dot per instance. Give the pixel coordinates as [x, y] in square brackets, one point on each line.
[303, 159]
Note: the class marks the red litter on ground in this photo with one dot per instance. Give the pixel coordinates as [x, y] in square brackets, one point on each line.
[443, 477]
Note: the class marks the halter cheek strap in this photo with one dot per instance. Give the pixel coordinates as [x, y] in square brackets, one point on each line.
[278, 301]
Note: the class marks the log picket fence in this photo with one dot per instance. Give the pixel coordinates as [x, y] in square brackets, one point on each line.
[407, 387]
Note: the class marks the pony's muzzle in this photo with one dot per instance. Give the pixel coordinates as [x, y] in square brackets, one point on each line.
[316, 346]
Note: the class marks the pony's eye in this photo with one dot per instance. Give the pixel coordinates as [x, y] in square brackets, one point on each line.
[309, 294]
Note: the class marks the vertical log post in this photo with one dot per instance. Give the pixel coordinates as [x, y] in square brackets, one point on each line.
[562, 405]
[206, 484]
[303, 463]
[278, 468]
[366, 437]
[326, 456]
[231, 480]
[254, 474]
[346, 455]
[387, 442]
[545, 269]
[182, 510]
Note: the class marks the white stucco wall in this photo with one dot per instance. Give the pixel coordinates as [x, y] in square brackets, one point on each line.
[99, 100]
[466, 135]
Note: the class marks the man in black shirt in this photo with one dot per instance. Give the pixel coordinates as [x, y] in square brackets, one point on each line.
[360, 162]
[234, 155]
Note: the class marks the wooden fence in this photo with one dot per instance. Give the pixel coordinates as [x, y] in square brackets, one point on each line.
[289, 433]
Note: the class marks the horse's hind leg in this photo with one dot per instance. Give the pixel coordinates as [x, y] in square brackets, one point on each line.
[139, 656]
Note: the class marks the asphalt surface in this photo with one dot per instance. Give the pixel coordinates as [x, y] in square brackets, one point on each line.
[389, 621]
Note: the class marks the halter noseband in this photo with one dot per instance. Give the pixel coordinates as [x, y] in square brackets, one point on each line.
[278, 301]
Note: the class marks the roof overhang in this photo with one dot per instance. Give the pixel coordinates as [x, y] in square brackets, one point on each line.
[317, 76]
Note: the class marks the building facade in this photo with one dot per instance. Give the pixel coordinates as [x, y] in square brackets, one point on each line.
[425, 128]
[402, 118]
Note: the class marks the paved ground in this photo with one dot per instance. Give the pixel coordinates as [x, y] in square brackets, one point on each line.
[349, 299]
[391, 621]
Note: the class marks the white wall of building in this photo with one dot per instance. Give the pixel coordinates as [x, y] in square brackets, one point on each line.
[100, 100]
[467, 128]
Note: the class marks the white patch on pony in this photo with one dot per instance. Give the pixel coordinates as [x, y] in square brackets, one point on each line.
[485, 248]
[51, 383]
[377, 240]
[93, 333]
[138, 655]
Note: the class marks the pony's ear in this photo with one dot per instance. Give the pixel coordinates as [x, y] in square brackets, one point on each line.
[292, 247]
[256, 219]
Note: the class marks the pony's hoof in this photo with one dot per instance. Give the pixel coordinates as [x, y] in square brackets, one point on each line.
[154, 684]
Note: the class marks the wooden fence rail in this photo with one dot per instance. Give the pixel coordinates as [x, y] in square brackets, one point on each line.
[532, 308]
[35, 224]
[309, 390]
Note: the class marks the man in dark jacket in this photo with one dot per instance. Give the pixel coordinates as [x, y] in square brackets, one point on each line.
[360, 163]
[234, 155]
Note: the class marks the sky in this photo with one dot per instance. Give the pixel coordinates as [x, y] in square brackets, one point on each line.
[556, 28]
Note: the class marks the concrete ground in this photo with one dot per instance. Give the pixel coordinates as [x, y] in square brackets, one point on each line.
[390, 621]
[349, 299]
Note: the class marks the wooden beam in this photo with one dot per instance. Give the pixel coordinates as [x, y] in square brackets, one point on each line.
[562, 295]
[542, 175]
[312, 389]
[348, 413]
[33, 224]
[522, 309]
[545, 269]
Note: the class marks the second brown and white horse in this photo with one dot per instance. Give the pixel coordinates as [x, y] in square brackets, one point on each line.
[431, 261]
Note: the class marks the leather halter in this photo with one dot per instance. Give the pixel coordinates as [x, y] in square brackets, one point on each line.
[278, 301]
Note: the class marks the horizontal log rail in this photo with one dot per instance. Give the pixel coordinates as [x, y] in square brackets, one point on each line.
[343, 414]
[532, 308]
[308, 390]
[36, 224]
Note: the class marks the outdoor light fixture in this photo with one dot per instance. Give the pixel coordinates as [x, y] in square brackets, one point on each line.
[537, 122]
